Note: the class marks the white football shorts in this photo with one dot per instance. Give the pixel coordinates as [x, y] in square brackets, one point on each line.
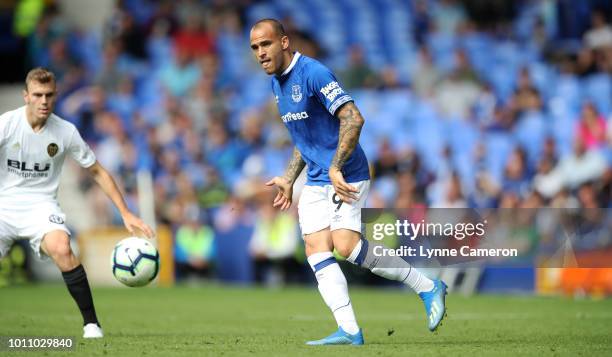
[320, 207]
[31, 223]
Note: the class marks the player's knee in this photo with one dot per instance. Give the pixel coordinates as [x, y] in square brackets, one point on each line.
[312, 247]
[58, 246]
[318, 242]
[61, 252]
[345, 241]
[344, 250]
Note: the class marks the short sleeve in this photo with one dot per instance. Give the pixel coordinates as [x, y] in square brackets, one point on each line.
[325, 86]
[4, 119]
[80, 151]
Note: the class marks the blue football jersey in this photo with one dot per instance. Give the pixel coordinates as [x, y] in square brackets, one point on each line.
[308, 95]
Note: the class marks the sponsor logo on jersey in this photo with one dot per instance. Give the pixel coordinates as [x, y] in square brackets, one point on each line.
[56, 219]
[52, 149]
[296, 93]
[28, 170]
[332, 90]
[294, 116]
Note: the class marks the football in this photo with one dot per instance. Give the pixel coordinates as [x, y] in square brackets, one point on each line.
[135, 261]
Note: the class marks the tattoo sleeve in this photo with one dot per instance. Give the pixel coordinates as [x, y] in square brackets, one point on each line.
[351, 123]
[296, 165]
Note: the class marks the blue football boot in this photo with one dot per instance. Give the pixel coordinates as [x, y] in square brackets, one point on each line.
[339, 338]
[434, 304]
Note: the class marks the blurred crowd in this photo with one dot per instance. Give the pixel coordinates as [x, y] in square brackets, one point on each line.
[472, 104]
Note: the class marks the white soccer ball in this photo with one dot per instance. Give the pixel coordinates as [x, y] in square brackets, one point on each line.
[135, 261]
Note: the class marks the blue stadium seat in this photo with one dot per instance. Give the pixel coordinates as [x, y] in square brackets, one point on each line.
[442, 47]
[477, 47]
[567, 87]
[498, 145]
[508, 54]
[530, 132]
[542, 77]
[462, 136]
[563, 130]
[90, 47]
[503, 80]
[598, 89]
[428, 131]
[160, 51]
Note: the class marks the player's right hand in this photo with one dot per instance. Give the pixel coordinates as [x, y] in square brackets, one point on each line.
[132, 223]
[285, 192]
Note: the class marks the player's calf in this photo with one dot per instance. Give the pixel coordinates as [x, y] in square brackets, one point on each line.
[389, 267]
[56, 244]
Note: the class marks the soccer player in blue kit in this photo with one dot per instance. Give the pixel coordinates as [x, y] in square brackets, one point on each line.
[325, 124]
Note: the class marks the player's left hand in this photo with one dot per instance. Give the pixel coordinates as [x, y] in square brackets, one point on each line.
[346, 192]
[132, 223]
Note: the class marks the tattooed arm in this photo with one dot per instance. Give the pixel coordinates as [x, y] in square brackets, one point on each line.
[295, 167]
[351, 123]
[284, 184]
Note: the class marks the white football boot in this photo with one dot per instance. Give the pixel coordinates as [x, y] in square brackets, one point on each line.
[92, 331]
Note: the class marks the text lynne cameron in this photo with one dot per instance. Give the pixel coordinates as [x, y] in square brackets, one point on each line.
[463, 251]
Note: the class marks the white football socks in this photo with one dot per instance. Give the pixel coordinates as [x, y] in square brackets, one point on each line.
[389, 267]
[334, 290]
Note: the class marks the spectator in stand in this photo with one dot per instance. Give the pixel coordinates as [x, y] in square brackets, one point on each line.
[526, 98]
[358, 74]
[193, 39]
[599, 36]
[422, 22]
[194, 246]
[250, 139]
[386, 160]
[573, 170]
[164, 17]
[131, 37]
[110, 74]
[591, 127]
[516, 175]
[485, 193]
[274, 242]
[457, 94]
[453, 195]
[425, 75]
[448, 16]
[182, 75]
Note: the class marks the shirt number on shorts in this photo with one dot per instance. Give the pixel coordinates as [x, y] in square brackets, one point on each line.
[337, 201]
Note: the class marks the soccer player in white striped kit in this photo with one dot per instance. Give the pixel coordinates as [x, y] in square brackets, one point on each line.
[325, 124]
[33, 145]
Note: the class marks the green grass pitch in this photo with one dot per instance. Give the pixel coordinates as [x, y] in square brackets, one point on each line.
[222, 321]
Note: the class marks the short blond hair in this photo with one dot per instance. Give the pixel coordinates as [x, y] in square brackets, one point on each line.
[40, 75]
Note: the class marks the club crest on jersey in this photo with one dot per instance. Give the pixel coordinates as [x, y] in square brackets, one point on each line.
[296, 93]
[52, 149]
[56, 219]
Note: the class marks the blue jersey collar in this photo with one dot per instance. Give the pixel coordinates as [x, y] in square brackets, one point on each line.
[296, 56]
